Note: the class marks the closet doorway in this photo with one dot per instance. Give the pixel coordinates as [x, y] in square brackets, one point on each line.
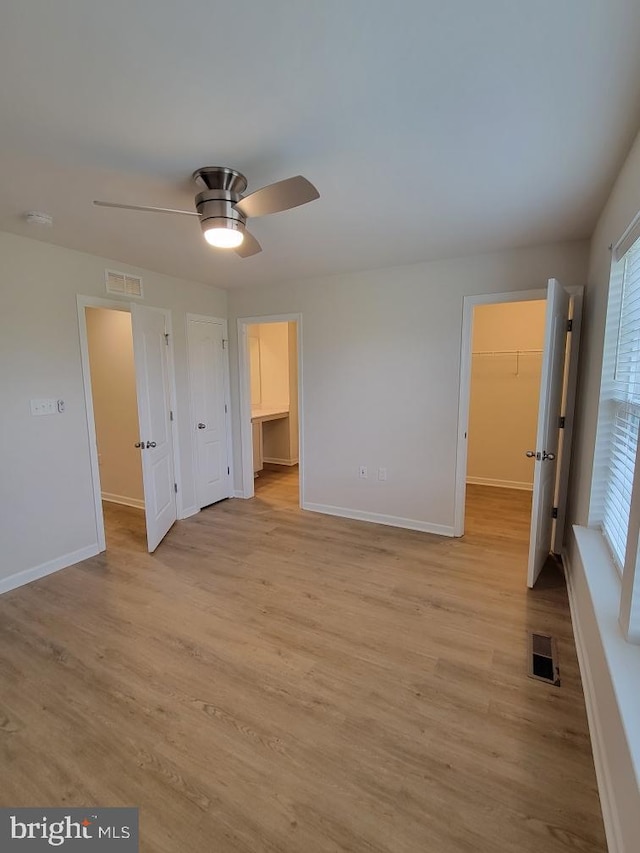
[495, 424]
[127, 365]
[506, 363]
[115, 406]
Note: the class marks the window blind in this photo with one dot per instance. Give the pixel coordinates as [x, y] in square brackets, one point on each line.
[624, 403]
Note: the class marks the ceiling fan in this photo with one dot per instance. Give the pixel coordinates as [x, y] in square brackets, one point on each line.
[223, 210]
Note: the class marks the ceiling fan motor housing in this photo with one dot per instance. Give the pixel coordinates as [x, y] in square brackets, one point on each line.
[220, 178]
[223, 187]
[216, 205]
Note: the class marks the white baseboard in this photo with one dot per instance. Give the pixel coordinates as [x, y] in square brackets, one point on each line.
[601, 764]
[501, 484]
[378, 518]
[187, 512]
[123, 500]
[28, 575]
[273, 461]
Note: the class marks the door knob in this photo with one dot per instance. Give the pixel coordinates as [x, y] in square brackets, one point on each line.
[531, 454]
[550, 456]
[139, 444]
[151, 444]
[202, 426]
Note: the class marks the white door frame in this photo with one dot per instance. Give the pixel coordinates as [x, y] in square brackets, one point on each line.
[119, 305]
[469, 303]
[204, 318]
[244, 379]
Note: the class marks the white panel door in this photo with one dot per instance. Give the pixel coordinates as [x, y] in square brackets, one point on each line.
[207, 373]
[568, 410]
[154, 407]
[549, 411]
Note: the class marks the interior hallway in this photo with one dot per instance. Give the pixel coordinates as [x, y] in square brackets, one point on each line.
[276, 680]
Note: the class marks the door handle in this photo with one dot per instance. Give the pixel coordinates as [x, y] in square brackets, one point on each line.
[550, 456]
[139, 444]
[202, 426]
[531, 454]
[151, 444]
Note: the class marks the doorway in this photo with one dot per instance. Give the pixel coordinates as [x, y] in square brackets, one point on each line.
[145, 367]
[552, 451]
[115, 409]
[270, 380]
[506, 363]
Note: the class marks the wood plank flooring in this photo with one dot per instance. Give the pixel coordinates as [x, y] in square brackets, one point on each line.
[284, 682]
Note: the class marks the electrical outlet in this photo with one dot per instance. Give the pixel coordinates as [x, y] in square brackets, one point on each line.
[362, 472]
[382, 473]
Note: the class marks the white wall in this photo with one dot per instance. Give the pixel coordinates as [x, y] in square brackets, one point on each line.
[47, 516]
[509, 325]
[622, 206]
[269, 364]
[115, 405]
[274, 363]
[505, 388]
[612, 700]
[381, 362]
[253, 336]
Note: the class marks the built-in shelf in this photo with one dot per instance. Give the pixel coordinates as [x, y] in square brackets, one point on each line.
[259, 416]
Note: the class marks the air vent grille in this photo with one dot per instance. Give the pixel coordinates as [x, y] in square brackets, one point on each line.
[121, 284]
[543, 659]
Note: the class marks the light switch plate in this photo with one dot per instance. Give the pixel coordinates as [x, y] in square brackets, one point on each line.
[44, 407]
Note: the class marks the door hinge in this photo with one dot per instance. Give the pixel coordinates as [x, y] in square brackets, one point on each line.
[569, 325]
[224, 343]
[166, 338]
[225, 409]
[170, 415]
[561, 422]
[228, 470]
[554, 512]
[175, 488]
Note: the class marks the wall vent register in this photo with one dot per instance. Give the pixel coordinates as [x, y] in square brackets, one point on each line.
[543, 659]
[122, 284]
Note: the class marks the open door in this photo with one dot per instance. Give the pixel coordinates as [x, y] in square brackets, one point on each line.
[550, 409]
[154, 413]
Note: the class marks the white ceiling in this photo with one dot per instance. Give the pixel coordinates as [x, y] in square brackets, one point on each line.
[431, 129]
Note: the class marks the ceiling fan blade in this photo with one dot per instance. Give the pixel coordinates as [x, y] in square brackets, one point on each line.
[249, 246]
[141, 207]
[283, 195]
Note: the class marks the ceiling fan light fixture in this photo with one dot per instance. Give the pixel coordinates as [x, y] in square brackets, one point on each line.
[223, 209]
[224, 234]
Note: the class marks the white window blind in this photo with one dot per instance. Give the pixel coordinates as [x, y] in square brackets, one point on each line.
[623, 402]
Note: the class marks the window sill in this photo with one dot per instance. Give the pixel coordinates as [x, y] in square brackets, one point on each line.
[622, 658]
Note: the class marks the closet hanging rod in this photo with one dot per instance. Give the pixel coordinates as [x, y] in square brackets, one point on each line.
[509, 352]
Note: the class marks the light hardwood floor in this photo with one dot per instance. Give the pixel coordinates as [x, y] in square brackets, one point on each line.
[273, 680]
